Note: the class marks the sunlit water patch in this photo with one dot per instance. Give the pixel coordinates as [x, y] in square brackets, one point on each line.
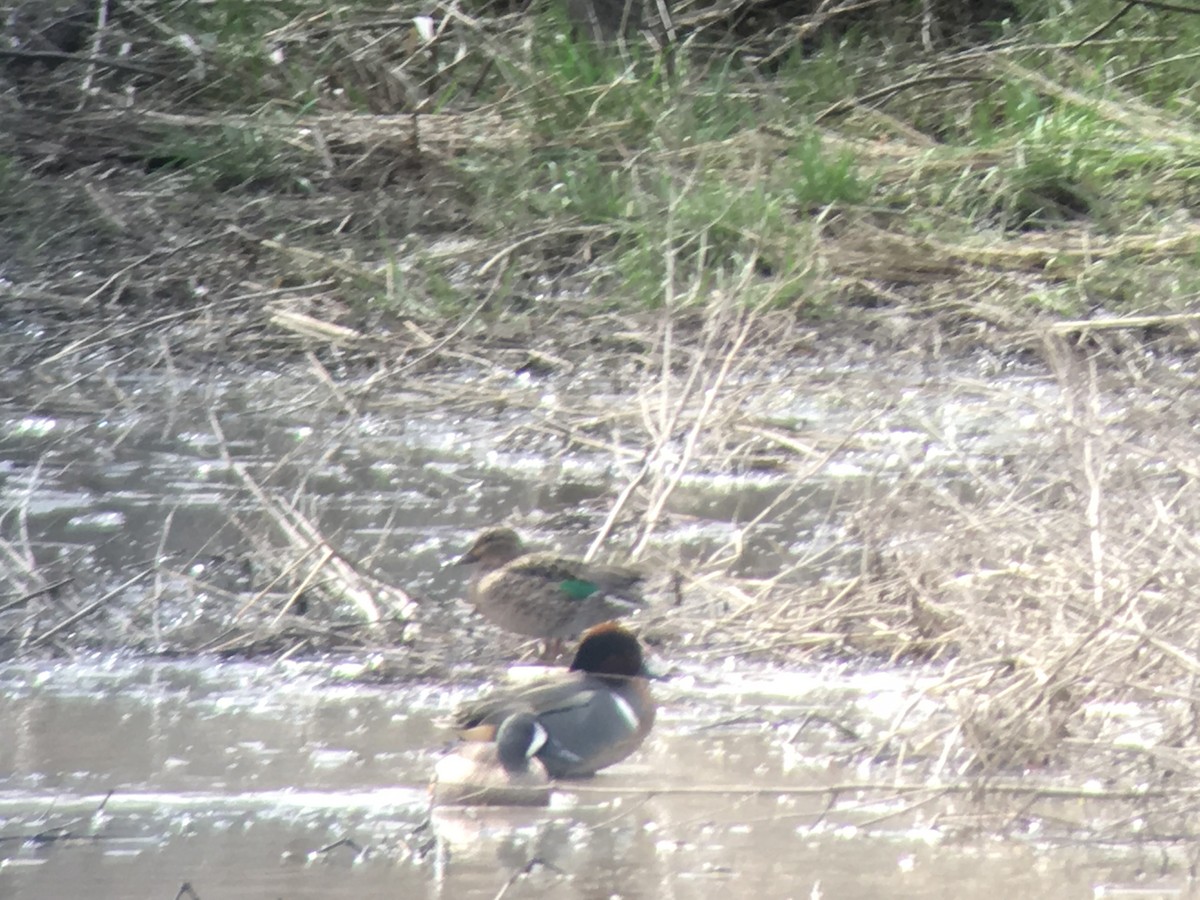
[148, 460]
[123, 779]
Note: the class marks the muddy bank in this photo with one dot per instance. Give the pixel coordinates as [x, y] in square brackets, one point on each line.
[194, 485]
[995, 546]
[808, 503]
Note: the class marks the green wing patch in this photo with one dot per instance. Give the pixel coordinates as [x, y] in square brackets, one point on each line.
[577, 589]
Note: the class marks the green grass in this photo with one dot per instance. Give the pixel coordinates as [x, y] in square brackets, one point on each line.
[660, 173]
[713, 217]
[240, 46]
[742, 166]
[1151, 54]
[231, 156]
[9, 177]
[1060, 162]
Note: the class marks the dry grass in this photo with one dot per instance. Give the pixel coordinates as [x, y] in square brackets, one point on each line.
[1042, 564]
[1054, 577]
[236, 168]
[189, 204]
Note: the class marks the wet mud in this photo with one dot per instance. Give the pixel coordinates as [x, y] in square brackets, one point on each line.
[140, 758]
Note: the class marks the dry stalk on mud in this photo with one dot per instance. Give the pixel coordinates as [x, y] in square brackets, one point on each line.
[1051, 573]
[334, 575]
[1068, 571]
[1054, 575]
[675, 417]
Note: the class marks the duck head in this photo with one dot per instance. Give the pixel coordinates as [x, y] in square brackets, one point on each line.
[609, 649]
[493, 549]
[518, 739]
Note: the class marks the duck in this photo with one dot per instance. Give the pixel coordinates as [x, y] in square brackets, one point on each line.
[543, 595]
[594, 714]
[505, 772]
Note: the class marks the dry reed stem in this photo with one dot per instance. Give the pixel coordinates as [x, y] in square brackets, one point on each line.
[1056, 566]
[338, 576]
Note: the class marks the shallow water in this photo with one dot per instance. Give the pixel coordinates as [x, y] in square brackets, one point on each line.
[299, 780]
[128, 780]
[104, 475]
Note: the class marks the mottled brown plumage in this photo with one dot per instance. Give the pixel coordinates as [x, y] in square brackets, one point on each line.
[544, 595]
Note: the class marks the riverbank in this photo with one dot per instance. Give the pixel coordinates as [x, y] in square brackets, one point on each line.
[233, 181]
[880, 353]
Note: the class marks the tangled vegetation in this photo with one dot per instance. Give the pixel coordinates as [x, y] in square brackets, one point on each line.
[400, 188]
[997, 162]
